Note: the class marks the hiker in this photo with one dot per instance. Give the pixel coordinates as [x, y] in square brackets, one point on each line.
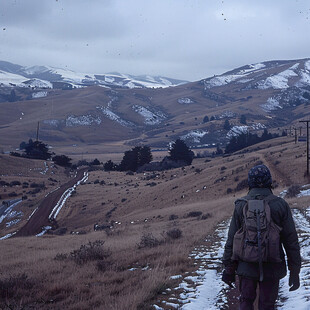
[261, 224]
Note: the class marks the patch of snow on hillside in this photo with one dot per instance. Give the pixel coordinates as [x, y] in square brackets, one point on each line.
[194, 135]
[39, 94]
[226, 114]
[253, 67]
[307, 65]
[36, 83]
[185, 100]
[304, 193]
[114, 117]
[245, 81]
[226, 79]
[271, 105]
[52, 122]
[279, 81]
[11, 79]
[165, 82]
[257, 126]
[74, 77]
[304, 80]
[130, 85]
[35, 69]
[150, 118]
[82, 120]
[236, 131]
[222, 80]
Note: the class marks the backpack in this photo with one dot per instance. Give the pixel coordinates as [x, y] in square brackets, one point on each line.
[258, 239]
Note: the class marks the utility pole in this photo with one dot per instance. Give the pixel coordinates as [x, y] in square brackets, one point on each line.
[38, 131]
[295, 129]
[307, 144]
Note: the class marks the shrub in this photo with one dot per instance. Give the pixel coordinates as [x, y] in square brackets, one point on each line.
[13, 284]
[194, 214]
[148, 241]
[61, 257]
[206, 216]
[14, 183]
[173, 217]
[293, 191]
[179, 151]
[13, 194]
[62, 160]
[242, 185]
[174, 233]
[90, 252]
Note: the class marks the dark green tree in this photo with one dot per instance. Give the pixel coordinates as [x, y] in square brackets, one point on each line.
[227, 125]
[135, 158]
[180, 151]
[243, 119]
[109, 166]
[219, 151]
[212, 118]
[95, 162]
[62, 160]
[37, 150]
[206, 119]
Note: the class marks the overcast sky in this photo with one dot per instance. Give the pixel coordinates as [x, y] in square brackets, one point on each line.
[186, 39]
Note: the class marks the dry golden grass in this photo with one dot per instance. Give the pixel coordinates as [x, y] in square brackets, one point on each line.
[133, 208]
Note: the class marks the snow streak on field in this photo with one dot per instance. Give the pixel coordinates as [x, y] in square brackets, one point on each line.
[205, 290]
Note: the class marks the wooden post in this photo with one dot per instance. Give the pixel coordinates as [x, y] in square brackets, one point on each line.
[38, 131]
[307, 144]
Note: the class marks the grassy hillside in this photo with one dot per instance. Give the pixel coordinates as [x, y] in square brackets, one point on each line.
[142, 211]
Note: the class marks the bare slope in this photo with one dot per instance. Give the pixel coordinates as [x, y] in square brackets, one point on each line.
[271, 95]
[134, 206]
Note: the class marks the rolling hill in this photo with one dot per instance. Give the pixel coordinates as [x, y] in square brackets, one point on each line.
[273, 95]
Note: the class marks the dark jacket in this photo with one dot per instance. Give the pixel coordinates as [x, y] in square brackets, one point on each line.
[282, 216]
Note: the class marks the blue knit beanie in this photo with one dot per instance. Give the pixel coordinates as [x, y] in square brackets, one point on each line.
[259, 176]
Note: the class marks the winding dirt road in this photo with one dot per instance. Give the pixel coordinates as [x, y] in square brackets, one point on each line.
[40, 217]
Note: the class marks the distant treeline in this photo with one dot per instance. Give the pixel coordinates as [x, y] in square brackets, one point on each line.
[243, 140]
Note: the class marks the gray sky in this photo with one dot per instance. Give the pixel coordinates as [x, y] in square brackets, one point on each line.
[186, 39]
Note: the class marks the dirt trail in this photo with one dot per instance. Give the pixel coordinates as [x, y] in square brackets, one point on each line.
[40, 217]
[204, 289]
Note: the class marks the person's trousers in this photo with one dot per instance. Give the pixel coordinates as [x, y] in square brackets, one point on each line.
[268, 293]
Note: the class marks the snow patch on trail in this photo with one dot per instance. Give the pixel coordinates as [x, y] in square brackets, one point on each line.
[299, 299]
[203, 289]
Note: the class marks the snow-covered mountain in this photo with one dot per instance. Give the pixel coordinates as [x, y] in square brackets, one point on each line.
[271, 95]
[48, 77]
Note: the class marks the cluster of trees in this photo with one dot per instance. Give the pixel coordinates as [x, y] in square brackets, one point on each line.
[132, 159]
[141, 155]
[243, 140]
[226, 123]
[39, 150]
[35, 149]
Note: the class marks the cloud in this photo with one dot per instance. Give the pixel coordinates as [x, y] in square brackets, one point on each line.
[178, 38]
